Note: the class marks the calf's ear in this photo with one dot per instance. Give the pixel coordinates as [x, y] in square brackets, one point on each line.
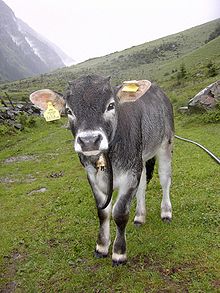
[41, 99]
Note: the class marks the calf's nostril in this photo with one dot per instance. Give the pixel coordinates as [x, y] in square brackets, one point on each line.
[89, 141]
[81, 140]
[98, 139]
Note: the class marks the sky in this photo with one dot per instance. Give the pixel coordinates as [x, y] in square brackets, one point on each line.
[90, 28]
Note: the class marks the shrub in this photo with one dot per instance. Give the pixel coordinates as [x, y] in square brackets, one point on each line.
[212, 71]
[26, 121]
[214, 34]
[6, 129]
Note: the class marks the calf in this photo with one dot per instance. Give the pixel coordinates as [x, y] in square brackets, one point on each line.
[116, 133]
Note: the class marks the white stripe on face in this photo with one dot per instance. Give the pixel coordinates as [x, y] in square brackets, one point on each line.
[94, 133]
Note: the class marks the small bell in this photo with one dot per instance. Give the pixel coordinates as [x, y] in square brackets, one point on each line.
[101, 163]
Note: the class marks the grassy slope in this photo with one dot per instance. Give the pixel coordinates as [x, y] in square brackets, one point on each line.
[197, 78]
[47, 239]
[138, 62]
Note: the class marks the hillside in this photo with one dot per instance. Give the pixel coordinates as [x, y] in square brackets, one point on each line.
[23, 52]
[158, 60]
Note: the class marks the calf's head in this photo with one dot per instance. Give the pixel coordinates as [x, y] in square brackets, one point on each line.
[91, 105]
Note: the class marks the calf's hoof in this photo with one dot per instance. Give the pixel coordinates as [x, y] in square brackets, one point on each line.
[116, 263]
[166, 216]
[139, 220]
[138, 224]
[98, 254]
[167, 220]
[118, 259]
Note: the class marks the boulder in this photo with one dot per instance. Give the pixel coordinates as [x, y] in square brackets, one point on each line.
[207, 99]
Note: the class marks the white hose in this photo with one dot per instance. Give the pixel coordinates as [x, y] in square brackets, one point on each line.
[201, 146]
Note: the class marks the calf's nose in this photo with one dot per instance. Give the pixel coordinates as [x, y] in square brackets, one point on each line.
[89, 142]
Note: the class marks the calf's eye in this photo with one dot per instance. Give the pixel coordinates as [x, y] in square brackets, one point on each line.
[111, 106]
[68, 111]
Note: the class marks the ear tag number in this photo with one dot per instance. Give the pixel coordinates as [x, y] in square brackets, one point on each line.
[51, 113]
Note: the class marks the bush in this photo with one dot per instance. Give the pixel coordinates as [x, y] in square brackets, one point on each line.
[181, 74]
[6, 129]
[26, 121]
[214, 34]
[212, 71]
[212, 116]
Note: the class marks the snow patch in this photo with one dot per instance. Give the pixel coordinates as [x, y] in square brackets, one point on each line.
[36, 51]
[16, 40]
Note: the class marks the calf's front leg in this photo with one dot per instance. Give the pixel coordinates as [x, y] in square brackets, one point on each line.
[97, 183]
[121, 215]
[103, 241]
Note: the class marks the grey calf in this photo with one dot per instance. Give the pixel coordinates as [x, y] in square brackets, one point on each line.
[127, 134]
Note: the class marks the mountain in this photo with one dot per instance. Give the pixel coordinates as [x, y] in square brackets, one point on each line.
[159, 60]
[34, 39]
[23, 52]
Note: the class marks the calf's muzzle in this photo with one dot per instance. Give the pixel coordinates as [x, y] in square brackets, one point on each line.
[89, 142]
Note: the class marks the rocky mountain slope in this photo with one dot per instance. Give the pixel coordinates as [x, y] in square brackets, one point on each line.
[23, 52]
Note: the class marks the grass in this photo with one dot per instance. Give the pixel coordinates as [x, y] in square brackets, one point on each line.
[47, 238]
[156, 60]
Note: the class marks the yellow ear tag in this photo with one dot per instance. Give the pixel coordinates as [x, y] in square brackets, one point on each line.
[130, 87]
[51, 113]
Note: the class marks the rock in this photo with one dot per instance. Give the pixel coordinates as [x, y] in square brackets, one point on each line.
[42, 189]
[183, 110]
[10, 112]
[207, 99]
[18, 126]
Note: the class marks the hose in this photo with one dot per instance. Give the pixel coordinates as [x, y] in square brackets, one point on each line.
[214, 157]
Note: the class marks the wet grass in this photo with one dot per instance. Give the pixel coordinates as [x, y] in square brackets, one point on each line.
[49, 223]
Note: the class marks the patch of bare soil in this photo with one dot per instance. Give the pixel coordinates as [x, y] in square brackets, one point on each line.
[20, 159]
[11, 263]
[83, 264]
[7, 180]
[216, 284]
[167, 274]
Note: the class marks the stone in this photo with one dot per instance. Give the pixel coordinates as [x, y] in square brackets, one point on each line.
[9, 113]
[207, 99]
[183, 110]
[42, 189]
[18, 126]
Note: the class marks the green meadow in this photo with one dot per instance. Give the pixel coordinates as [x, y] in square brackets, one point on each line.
[48, 216]
[49, 223]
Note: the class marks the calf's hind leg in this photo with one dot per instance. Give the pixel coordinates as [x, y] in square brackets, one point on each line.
[146, 176]
[140, 208]
[164, 159]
